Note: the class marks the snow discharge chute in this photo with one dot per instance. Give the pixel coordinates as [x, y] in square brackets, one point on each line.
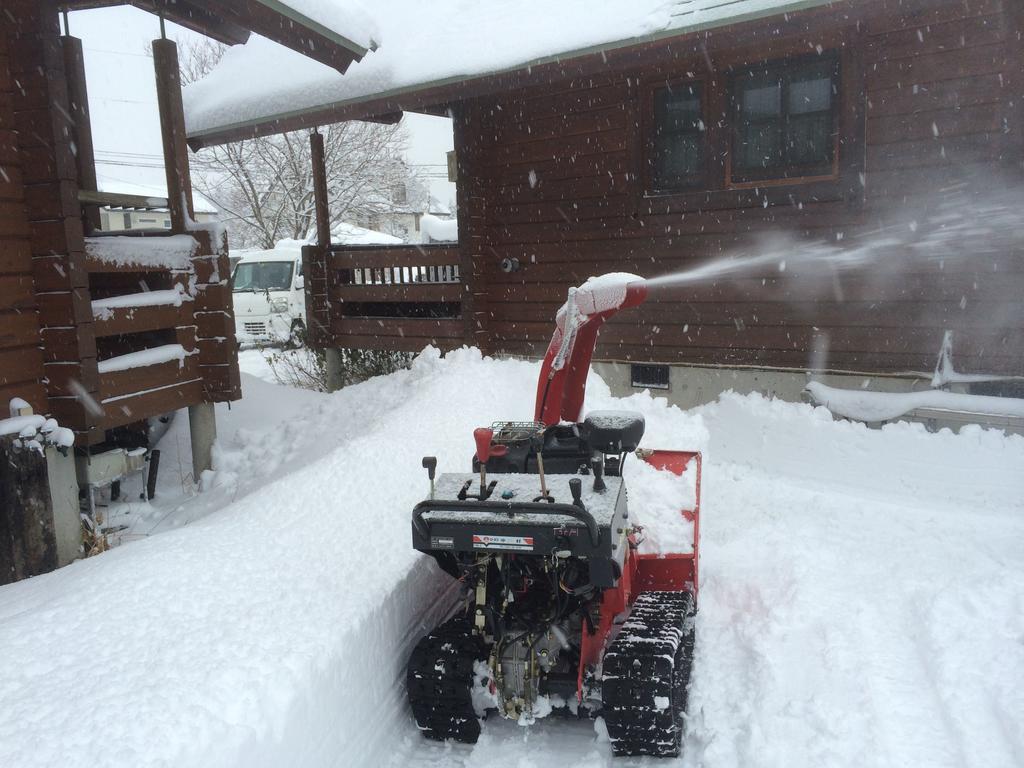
[563, 376]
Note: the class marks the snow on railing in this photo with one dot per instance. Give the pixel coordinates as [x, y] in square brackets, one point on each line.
[153, 356]
[158, 252]
[867, 406]
[102, 309]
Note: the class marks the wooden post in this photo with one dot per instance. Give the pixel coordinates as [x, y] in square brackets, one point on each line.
[42, 116]
[323, 214]
[81, 127]
[28, 546]
[172, 130]
[469, 131]
[317, 277]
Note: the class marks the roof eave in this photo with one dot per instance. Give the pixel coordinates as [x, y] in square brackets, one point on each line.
[423, 96]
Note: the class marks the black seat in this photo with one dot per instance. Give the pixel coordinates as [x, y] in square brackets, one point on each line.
[613, 431]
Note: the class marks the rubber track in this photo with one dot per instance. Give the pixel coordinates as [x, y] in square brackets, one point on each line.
[439, 679]
[645, 674]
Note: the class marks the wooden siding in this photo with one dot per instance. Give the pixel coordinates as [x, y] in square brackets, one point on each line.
[926, 105]
[21, 360]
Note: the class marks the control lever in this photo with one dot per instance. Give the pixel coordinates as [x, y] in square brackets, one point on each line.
[483, 437]
[537, 443]
[576, 489]
[597, 465]
[430, 464]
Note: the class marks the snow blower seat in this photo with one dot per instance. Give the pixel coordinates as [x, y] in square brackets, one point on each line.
[612, 432]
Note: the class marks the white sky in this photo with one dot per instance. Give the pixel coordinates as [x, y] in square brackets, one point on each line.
[122, 102]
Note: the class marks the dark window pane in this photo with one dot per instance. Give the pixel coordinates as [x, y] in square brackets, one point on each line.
[677, 111]
[760, 147]
[676, 144]
[809, 139]
[761, 99]
[811, 95]
[678, 160]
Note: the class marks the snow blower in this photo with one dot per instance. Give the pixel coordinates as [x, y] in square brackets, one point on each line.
[559, 609]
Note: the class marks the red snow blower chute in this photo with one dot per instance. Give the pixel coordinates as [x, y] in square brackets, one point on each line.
[560, 612]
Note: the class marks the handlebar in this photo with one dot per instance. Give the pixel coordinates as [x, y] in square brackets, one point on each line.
[503, 507]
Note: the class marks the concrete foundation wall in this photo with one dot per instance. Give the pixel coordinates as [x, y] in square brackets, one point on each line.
[691, 386]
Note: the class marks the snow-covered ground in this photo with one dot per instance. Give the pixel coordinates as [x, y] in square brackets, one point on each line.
[862, 603]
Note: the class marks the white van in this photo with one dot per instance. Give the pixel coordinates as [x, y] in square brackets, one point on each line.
[267, 292]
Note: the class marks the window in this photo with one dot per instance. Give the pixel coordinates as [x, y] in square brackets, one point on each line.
[652, 376]
[785, 120]
[398, 194]
[263, 276]
[675, 150]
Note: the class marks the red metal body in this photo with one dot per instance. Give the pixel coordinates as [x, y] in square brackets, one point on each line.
[672, 572]
[560, 392]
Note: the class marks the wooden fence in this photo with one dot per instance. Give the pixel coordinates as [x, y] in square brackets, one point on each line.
[385, 297]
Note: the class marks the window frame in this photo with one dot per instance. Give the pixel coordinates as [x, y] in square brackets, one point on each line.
[802, 174]
[648, 123]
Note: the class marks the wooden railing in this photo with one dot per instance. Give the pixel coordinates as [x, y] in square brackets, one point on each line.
[385, 297]
[150, 296]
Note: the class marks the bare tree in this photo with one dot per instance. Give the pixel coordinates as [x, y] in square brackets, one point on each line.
[264, 186]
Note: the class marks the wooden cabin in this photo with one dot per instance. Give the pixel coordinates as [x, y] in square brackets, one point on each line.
[100, 329]
[103, 330]
[656, 152]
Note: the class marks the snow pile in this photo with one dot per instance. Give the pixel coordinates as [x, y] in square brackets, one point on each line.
[900, 463]
[33, 431]
[436, 230]
[103, 309]
[158, 193]
[342, 234]
[273, 629]
[885, 406]
[157, 252]
[152, 356]
[425, 44]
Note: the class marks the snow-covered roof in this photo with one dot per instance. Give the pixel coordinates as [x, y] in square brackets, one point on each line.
[118, 187]
[347, 18]
[350, 234]
[423, 45]
[290, 249]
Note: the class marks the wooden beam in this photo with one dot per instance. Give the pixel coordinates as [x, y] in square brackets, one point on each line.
[92, 197]
[191, 14]
[172, 130]
[323, 214]
[81, 127]
[276, 21]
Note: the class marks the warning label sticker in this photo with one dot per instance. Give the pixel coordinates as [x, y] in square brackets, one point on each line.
[522, 543]
[442, 542]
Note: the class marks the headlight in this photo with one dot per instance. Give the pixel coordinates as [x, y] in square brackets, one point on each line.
[279, 305]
